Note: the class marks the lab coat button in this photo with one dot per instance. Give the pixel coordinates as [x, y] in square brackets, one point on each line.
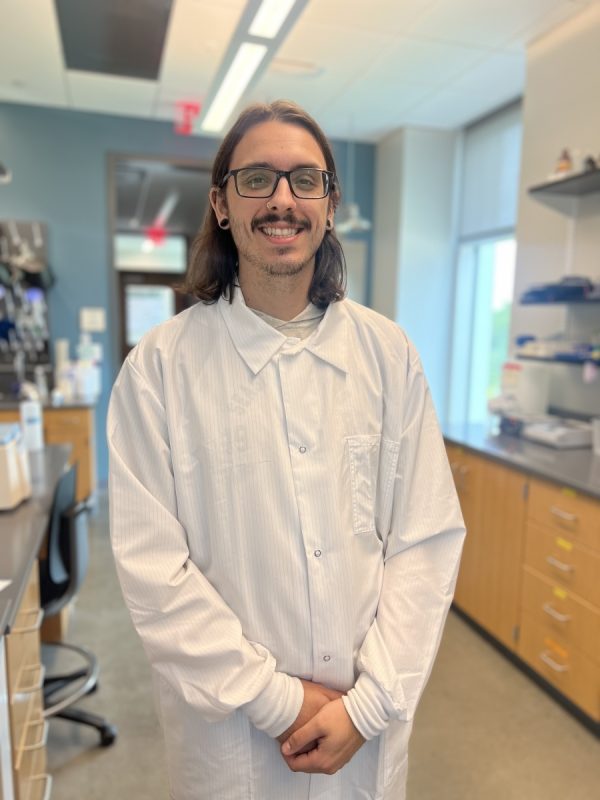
[326, 658]
[317, 554]
[302, 449]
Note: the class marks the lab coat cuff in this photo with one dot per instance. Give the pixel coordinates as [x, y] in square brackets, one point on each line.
[366, 707]
[277, 705]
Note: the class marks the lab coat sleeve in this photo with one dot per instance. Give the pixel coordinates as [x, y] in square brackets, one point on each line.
[421, 564]
[193, 640]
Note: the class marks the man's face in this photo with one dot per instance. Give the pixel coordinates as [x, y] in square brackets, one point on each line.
[277, 235]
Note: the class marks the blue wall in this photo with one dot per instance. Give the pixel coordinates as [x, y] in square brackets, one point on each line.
[60, 176]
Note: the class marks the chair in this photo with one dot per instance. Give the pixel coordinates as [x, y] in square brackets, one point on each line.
[62, 572]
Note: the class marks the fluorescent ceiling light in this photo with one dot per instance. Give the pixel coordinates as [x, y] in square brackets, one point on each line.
[270, 17]
[243, 67]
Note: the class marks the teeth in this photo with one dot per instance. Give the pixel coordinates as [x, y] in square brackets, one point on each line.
[280, 231]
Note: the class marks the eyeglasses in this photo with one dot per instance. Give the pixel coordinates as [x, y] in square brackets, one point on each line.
[306, 183]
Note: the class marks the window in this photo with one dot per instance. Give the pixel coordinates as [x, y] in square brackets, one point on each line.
[482, 308]
[485, 263]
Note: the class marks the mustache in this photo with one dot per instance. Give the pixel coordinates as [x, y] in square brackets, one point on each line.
[289, 219]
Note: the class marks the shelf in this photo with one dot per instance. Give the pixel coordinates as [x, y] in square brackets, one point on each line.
[581, 302]
[574, 186]
[577, 362]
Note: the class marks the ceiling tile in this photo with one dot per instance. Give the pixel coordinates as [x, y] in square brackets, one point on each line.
[424, 62]
[329, 54]
[31, 65]
[545, 23]
[382, 16]
[487, 24]
[197, 38]
[497, 80]
[111, 95]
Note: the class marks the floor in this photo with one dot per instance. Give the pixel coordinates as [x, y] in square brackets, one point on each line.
[483, 731]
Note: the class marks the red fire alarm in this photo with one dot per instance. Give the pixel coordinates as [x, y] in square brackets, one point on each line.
[186, 114]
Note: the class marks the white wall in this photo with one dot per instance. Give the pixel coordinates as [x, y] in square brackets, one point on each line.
[561, 109]
[414, 243]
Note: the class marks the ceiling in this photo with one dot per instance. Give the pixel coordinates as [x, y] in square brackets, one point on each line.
[361, 68]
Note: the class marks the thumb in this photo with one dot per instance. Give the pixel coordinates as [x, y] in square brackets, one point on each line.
[305, 735]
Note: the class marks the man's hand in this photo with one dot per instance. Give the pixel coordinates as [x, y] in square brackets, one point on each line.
[315, 697]
[337, 740]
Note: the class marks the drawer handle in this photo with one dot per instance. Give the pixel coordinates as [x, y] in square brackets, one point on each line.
[550, 662]
[564, 515]
[41, 738]
[31, 628]
[36, 679]
[47, 779]
[552, 612]
[554, 562]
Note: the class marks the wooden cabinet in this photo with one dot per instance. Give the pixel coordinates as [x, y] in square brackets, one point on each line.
[530, 572]
[25, 676]
[467, 470]
[560, 614]
[493, 501]
[74, 426]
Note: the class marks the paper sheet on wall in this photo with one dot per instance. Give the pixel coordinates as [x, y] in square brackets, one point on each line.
[4, 583]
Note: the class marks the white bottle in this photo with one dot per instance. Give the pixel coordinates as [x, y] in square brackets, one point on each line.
[32, 425]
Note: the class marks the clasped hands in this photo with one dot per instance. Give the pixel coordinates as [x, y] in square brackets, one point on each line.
[323, 737]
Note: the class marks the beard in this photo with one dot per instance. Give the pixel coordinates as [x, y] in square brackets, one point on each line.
[282, 264]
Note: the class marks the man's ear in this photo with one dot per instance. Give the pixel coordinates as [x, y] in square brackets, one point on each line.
[218, 202]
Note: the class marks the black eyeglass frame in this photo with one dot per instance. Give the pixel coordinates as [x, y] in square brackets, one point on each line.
[279, 174]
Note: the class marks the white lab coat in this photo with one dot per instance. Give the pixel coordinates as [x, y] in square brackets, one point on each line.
[281, 508]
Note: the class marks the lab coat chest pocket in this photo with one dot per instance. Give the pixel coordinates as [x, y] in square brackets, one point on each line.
[372, 464]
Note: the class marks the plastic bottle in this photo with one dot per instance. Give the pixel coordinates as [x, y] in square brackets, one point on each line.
[32, 425]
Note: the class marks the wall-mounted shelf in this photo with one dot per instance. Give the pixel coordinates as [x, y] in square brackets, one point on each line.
[582, 302]
[577, 185]
[573, 361]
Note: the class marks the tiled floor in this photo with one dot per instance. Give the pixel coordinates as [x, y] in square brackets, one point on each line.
[484, 731]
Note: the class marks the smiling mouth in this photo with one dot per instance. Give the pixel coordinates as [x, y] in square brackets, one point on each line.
[279, 233]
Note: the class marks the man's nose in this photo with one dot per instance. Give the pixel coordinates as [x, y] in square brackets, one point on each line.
[282, 197]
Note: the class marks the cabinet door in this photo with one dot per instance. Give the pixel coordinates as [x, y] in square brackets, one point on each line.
[75, 426]
[468, 474]
[501, 551]
[492, 500]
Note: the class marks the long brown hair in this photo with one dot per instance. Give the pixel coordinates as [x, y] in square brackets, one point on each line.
[212, 269]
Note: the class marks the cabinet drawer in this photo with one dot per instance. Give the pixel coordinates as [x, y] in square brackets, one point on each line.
[68, 423]
[23, 645]
[576, 622]
[565, 512]
[565, 667]
[564, 562]
[31, 764]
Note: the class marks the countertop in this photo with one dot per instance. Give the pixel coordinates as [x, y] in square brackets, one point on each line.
[577, 468]
[7, 404]
[22, 530]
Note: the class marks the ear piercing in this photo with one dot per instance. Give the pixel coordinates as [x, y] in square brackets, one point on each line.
[224, 223]
[329, 225]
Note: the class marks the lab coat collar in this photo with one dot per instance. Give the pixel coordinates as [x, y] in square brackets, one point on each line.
[257, 342]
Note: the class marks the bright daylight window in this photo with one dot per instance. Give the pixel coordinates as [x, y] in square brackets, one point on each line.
[483, 301]
[485, 263]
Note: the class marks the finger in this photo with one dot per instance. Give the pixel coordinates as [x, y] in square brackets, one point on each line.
[305, 762]
[303, 736]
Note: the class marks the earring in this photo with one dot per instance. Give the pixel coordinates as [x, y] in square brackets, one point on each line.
[329, 225]
[224, 223]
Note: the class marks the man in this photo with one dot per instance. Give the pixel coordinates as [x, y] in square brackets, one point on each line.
[283, 517]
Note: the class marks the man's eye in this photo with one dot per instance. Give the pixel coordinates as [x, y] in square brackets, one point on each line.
[256, 180]
[305, 180]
